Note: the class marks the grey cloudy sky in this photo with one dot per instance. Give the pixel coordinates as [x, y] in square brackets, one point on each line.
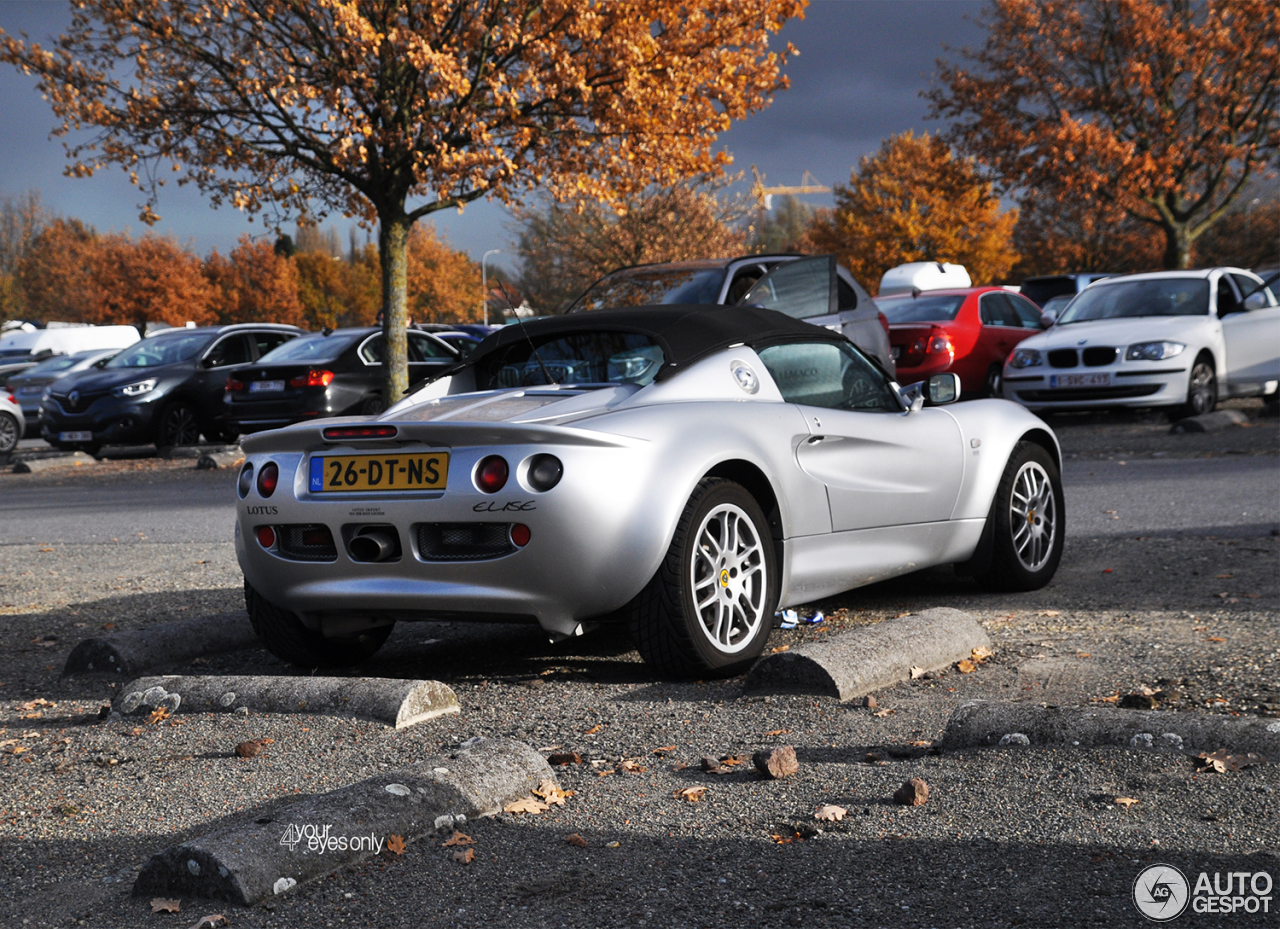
[857, 80]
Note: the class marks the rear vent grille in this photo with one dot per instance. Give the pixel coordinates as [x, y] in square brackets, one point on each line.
[1099, 356]
[307, 542]
[464, 541]
[1063, 358]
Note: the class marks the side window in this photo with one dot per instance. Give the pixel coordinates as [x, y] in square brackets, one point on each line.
[1248, 286]
[371, 350]
[801, 289]
[743, 281]
[425, 348]
[846, 296]
[832, 375]
[266, 341]
[1027, 311]
[1228, 303]
[997, 310]
[233, 350]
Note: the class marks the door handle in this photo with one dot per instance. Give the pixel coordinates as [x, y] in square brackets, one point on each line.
[815, 439]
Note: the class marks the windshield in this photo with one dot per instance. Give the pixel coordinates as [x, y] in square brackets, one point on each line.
[162, 350]
[651, 286]
[922, 309]
[51, 365]
[1179, 296]
[311, 349]
[575, 358]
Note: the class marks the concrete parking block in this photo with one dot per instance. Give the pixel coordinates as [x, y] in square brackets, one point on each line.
[983, 723]
[1210, 422]
[212, 461]
[260, 856]
[389, 701]
[870, 658]
[36, 465]
[127, 654]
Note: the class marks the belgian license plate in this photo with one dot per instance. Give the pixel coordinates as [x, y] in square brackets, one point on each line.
[75, 436]
[1101, 379]
[261, 387]
[394, 472]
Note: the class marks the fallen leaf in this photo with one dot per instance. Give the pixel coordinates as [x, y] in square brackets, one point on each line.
[395, 845]
[965, 666]
[1215, 638]
[213, 921]
[38, 701]
[663, 750]
[631, 767]
[773, 732]
[917, 673]
[465, 856]
[981, 653]
[159, 714]
[780, 649]
[594, 729]
[1222, 762]
[164, 905]
[1050, 613]
[1223, 576]
[1114, 698]
[1083, 655]
[561, 759]
[830, 814]
[458, 838]
[525, 805]
[884, 711]
[690, 794]
[576, 840]
[922, 743]
[551, 793]
[679, 766]
[1126, 802]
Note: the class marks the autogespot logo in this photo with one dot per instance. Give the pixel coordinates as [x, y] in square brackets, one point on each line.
[1160, 892]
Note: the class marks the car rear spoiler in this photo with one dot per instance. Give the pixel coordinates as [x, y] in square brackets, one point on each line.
[303, 437]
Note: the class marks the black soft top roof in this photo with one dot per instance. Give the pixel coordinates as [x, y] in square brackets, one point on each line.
[686, 332]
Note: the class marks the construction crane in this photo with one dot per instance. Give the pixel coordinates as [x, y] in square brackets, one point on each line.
[764, 195]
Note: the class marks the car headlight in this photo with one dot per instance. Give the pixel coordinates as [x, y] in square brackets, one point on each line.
[1025, 358]
[1153, 351]
[136, 389]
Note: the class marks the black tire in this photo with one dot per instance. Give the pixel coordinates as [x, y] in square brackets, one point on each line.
[665, 623]
[1202, 389]
[372, 407]
[285, 637]
[178, 424]
[1021, 557]
[9, 433]
[993, 386]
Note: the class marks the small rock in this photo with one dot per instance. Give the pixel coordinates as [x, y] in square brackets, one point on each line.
[564, 758]
[913, 793]
[777, 762]
[249, 749]
[1142, 740]
[1138, 702]
[711, 766]
[535, 683]
[1014, 738]
[869, 702]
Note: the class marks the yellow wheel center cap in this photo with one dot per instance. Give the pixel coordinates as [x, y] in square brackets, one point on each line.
[1031, 517]
[724, 577]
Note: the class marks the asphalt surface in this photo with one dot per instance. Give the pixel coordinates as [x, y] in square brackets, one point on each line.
[1179, 593]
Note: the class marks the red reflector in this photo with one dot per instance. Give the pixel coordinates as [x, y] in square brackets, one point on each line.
[312, 379]
[266, 536]
[491, 474]
[268, 477]
[316, 537]
[360, 432]
[520, 534]
[233, 385]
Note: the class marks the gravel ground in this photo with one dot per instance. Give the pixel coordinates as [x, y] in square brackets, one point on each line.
[1008, 837]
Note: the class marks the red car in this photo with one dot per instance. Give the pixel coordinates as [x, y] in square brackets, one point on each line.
[968, 331]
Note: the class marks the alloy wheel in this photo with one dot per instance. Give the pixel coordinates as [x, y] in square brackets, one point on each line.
[180, 426]
[8, 433]
[1202, 392]
[729, 578]
[1033, 516]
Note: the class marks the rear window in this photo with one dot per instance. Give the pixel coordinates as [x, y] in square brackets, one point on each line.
[309, 349]
[921, 309]
[651, 287]
[576, 358]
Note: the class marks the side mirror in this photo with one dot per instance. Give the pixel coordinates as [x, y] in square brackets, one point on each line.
[1048, 318]
[1256, 300]
[943, 388]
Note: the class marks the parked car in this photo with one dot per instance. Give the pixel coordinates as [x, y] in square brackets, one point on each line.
[968, 331]
[680, 468]
[12, 423]
[1040, 289]
[29, 344]
[923, 275]
[166, 389]
[815, 289]
[1177, 339]
[464, 342]
[29, 385]
[338, 373]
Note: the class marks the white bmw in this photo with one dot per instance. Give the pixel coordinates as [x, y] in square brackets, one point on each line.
[1179, 339]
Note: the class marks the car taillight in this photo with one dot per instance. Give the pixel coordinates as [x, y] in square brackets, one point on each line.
[939, 345]
[312, 379]
[266, 536]
[491, 474]
[233, 385]
[884, 321]
[268, 477]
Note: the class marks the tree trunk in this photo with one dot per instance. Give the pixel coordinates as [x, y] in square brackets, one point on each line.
[1177, 249]
[393, 248]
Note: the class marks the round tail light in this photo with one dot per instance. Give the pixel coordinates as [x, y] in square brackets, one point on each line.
[268, 477]
[545, 472]
[520, 535]
[245, 484]
[266, 536]
[491, 474]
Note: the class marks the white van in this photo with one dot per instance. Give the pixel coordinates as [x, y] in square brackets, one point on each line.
[923, 275]
[23, 344]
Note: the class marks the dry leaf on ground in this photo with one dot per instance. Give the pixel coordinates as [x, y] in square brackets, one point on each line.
[981, 653]
[917, 673]
[772, 732]
[965, 666]
[780, 649]
[830, 813]
[631, 767]
[576, 840]
[165, 905]
[465, 856]
[1222, 761]
[690, 794]
[594, 729]
[883, 711]
[1126, 802]
[525, 805]
[158, 714]
[395, 845]
[663, 750]
[458, 838]
[551, 793]
[1215, 638]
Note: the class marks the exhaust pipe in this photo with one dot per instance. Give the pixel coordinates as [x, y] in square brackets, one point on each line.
[373, 545]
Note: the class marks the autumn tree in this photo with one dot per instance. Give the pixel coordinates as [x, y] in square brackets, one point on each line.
[254, 284]
[1055, 236]
[785, 228]
[389, 110]
[54, 278]
[443, 284]
[564, 247]
[1248, 235]
[337, 292]
[22, 218]
[1163, 109]
[151, 279]
[915, 201]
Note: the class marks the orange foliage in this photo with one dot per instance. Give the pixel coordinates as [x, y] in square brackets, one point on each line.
[444, 285]
[1056, 237]
[54, 277]
[1161, 109]
[254, 284]
[337, 293]
[914, 201]
[148, 279]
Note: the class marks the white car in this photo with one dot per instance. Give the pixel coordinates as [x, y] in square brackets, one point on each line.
[1180, 339]
[12, 422]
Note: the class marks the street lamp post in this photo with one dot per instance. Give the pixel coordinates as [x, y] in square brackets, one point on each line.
[484, 282]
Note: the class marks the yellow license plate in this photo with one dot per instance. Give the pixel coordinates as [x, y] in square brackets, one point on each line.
[345, 473]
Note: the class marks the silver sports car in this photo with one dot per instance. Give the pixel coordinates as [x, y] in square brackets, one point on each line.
[682, 469]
